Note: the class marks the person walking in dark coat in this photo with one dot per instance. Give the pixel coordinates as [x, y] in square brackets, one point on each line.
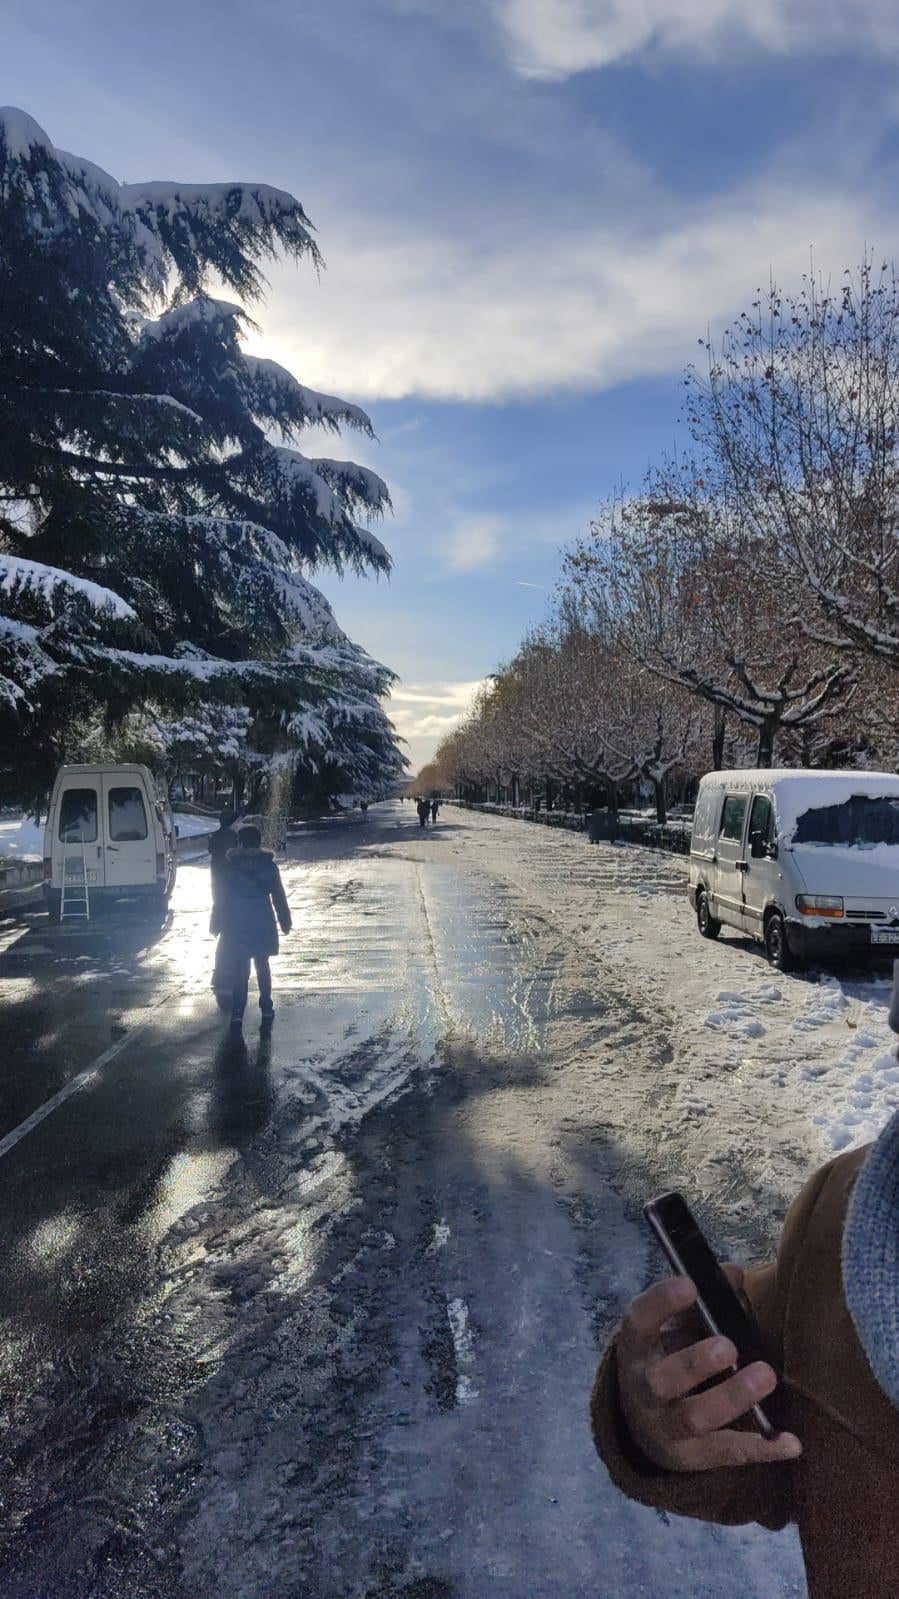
[254, 896]
[423, 808]
[435, 806]
[218, 845]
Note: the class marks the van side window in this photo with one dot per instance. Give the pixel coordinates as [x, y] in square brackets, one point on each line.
[732, 817]
[761, 819]
[78, 815]
[704, 815]
[127, 816]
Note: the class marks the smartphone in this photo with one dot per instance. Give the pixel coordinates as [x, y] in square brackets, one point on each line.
[682, 1239]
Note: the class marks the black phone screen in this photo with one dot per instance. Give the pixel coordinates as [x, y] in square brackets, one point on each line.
[670, 1216]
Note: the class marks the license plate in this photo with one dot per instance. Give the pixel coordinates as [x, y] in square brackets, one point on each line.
[885, 935]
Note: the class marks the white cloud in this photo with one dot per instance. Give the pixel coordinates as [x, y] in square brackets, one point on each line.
[473, 542]
[555, 38]
[490, 312]
[424, 713]
[456, 695]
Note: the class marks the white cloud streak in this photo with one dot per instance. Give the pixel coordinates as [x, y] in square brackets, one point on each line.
[556, 38]
[490, 315]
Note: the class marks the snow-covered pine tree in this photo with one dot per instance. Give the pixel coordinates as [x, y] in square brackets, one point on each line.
[157, 522]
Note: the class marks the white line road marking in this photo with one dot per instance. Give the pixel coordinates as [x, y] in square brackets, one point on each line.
[81, 1081]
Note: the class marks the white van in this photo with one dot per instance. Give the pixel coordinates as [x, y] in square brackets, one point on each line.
[805, 862]
[106, 824]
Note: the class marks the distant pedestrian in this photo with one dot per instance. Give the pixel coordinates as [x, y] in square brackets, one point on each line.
[435, 806]
[253, 896]
[219, 844]
[423, 809]
[363, 806]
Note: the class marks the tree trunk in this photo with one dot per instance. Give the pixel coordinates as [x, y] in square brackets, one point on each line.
[661, 809]
[766, 742]
[612, 794]
[719, 723]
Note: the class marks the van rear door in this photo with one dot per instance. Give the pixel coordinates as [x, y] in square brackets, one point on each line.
[77, 841]
[130, 844]
[730, 862]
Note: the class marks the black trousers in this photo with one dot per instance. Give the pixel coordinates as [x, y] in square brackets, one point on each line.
[241, 981]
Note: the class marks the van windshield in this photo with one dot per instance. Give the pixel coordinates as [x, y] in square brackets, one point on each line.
[860, 821]
[78, 816]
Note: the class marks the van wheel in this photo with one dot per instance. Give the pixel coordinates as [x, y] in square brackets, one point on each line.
[776, 947]
[708, 925]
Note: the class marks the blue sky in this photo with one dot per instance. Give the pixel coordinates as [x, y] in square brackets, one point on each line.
[530, 210]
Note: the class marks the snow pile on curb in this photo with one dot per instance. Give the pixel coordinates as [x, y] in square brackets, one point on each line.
[21, 838]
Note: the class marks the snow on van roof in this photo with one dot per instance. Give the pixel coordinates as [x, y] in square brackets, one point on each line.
[100, 769]
[796, 791]
[767, 775]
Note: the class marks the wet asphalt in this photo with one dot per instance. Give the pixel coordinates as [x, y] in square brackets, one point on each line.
[300, 1313]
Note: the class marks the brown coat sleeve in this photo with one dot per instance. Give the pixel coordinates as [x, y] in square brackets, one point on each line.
[734, 1495]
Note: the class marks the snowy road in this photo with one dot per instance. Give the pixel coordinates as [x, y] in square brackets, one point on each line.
[318, 1316]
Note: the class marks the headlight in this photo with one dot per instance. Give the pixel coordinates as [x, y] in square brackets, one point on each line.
[819, 905]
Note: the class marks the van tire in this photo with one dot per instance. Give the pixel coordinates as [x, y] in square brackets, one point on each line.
[708, 925]
[778, 951]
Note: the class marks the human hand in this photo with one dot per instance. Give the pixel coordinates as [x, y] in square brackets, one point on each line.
[664, 1354]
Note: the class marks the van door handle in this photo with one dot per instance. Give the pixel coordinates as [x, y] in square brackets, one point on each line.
[114, 847]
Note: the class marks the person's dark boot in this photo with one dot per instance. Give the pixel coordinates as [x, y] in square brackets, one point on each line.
[236, 1023]
[267, 1008]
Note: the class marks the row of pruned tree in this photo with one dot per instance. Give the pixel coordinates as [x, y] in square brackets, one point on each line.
[743, 606]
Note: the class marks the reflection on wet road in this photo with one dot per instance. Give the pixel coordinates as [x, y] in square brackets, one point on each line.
[120, 1288]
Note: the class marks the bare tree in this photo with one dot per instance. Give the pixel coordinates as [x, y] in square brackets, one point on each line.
[797, 425]
[681, 581]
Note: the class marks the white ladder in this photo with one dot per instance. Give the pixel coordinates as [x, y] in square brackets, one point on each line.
[74, 902]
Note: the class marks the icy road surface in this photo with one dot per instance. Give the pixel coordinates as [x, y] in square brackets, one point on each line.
[316, 1317]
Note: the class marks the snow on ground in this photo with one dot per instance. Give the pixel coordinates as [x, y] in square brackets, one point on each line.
[761, 1074]
[194, 826]
[21, 838]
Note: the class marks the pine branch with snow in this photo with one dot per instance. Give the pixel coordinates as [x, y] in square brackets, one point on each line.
[158, 524]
